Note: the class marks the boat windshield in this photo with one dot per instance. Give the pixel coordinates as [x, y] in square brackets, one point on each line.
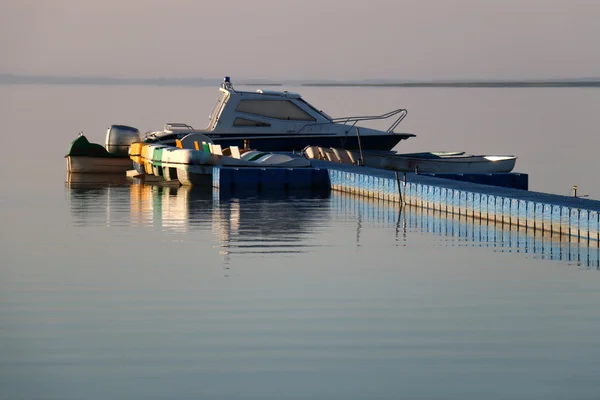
[324, 114]
[214, 115]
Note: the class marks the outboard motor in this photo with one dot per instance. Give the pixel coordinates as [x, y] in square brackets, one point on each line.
[119, 138]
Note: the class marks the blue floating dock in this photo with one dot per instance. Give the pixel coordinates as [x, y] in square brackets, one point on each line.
[513, 180]
[548, 212]
[244, 178]
[501, 198]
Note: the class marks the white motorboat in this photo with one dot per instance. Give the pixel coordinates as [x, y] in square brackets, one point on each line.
[282, 121]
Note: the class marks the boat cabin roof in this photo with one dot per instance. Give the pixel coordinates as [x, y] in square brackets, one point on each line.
[278, 93]
[285, 93]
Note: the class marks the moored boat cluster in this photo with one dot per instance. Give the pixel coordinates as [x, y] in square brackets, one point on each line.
[264, 129]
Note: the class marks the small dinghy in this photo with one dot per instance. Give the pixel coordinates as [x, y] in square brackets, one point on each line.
[86, 157]
[427, 162]
[439, 162]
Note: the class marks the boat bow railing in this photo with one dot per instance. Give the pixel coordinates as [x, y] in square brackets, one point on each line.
[352, 121]
[176, 126]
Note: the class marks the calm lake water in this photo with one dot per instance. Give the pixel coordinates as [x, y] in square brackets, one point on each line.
[114, 290]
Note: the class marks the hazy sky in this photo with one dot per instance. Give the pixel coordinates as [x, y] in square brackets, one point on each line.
[351, 39]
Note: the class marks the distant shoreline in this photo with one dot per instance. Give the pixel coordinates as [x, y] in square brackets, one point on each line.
[7, 79]
[491, 84]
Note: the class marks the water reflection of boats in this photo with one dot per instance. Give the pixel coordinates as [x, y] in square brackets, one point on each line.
[275, 222]
[75, 180]
[99, 199]
[459, 230]
[283, 222]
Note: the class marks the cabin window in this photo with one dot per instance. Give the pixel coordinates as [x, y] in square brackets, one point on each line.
[314, 109]
[248, 122]
[278, 109]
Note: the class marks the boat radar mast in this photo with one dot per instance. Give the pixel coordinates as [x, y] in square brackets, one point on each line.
[226, 84]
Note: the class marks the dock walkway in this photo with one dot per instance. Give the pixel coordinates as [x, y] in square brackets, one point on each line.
[574, 216]
[563, 215]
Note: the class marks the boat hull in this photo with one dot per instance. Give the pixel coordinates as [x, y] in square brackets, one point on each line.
[98, 165]
[450, 165]
[297, 143]
[194, 175]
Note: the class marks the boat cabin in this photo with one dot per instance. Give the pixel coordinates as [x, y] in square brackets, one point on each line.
[281, 111]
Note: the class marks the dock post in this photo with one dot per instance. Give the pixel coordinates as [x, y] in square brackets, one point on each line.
[362, 161]
[399, 189]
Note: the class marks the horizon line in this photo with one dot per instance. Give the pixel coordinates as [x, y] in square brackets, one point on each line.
[10, 78]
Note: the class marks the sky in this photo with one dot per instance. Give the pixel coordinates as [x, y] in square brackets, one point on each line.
[308, 39]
